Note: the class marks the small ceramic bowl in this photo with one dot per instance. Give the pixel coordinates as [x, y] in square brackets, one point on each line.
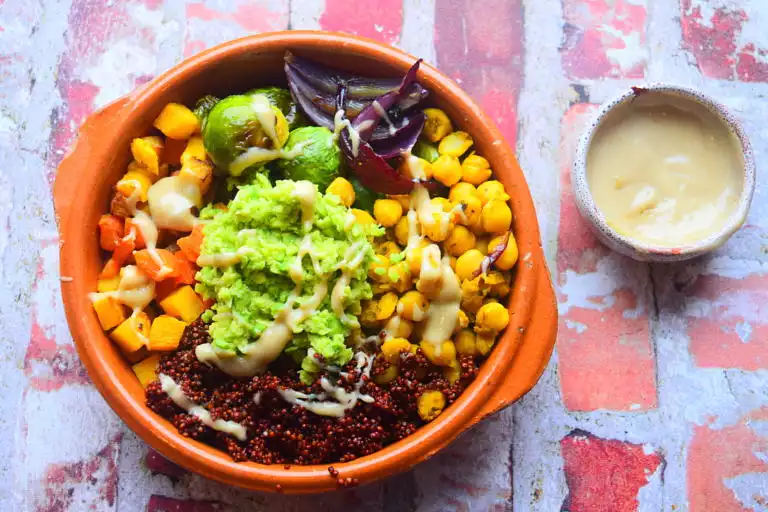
[660, 94]
[83, 187]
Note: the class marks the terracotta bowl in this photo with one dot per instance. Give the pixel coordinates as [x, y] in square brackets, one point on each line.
[684, 98]
[98, 159]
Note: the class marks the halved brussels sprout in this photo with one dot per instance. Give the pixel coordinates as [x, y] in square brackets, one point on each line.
[240, 122]
[282, 99]
[317, 158]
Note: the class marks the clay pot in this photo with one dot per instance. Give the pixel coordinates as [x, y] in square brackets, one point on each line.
[99, 158]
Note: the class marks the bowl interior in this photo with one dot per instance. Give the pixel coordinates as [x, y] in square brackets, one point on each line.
[689, 101]
[235, 67]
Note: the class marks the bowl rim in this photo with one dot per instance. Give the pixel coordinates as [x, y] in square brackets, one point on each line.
[427, 440]
[637, 248]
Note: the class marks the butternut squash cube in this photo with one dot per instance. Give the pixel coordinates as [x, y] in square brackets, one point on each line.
[183, 303]
[177, 122]
[199, 171]
[133, 333]
[194, 149]
[146, 370]
[108, 285]
[109, 311]
[134, 182]
[135, 357]
[166, 333]
[147, 152]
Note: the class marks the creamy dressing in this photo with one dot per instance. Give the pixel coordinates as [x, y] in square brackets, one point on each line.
[266, 116]
[175, 393]
[148, 230]
[383, 114]
[306, 193]
[339, 123]
[223, 259]
[665, 175]
[171, 201]
[135, 289]
[428, 212]
[345, 400]
[257, 155]
[352, 260]
[444, 309]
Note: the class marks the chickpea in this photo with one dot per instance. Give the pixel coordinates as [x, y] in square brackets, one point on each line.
[473, 208]
[400, 276]
[399, 327]
[509, 257]
[447, 170]
[466, 343]
[497, 217]
[342, 189]
[469, 263]
[387, 375]
[416, 168]
[430, 405]
[437, 125]
[440, 354]
[461, 190]
[377, 271]
[368, 314]
[459, 241]
[379, 288]
[452, 373]
[441, 203]
[393, 347]
[362, 216]
[471, 295]
[452, 260]
[386, 306]
[387, 212]
[402, 230]
[455, 144]
[491, 318]
[491, 190]
[438, 231]
[462, 321]
[482, 244]
[413, 305]
[475, 169]
[388, 248]
[485, 343]
[404, 200]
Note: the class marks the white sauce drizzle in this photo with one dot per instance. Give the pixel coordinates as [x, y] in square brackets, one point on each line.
[171, 200]
[257, 155]
[223, 259]
[135, 289]
[266, 116]
[383, 114]
[175, 393]
[352, 259]
[306, 193]
[444, 309]
[339, 123]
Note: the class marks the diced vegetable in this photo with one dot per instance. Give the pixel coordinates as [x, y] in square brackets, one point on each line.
[199, 171]
[109, 311]
[134, 182]
[191, 244]
[110, 232]
[108, 285]
[165, 333]
[342, 189]
[147, 152]
[165, 288]
[183, 303]
[136, 356]
[149, 266]
[146, 370]
[130, 225]
[133, 333]
[185, 268]
[122, 252]
[193, 149]
[177, 122]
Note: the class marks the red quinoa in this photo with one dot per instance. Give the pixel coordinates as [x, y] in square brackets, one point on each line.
[282, 433]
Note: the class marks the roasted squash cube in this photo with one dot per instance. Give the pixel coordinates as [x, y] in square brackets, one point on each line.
[166, 333]
[133, 333]
[177, 122]
[199, 171]
[183, 303]
[146, 370]
[134, 182]
[147, 152]
[108, 285]
[109, 311]
[194, 149]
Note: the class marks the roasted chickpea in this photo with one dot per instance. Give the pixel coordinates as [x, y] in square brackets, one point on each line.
[362, 216]
[439, 354]
[402, 231]
[387, 212]
[497, 217]
[461, 190]
[413, 305]
[393, 347]
[465, 342]
[388, 248]
[459, 241]
[342, 189]
[387, 375]
[447, 169]
[473, 209]
[377, 270]
[475, 169]
[462, 321]
[437, 125]
[455, 144]
[386, 306]
[490, 190]
[469, 263]
[485, 343]
[430, 404]
[509, 257]
[400, 277]
[491, 318]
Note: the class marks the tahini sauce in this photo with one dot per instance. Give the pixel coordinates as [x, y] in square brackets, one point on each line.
[663, 175]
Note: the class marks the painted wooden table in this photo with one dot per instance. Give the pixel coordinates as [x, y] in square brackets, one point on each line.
[657, 396]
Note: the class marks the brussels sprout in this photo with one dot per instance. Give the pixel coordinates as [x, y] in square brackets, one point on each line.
[234, 125]
[364, 197]
[204, 106]
[426, 151]
[282, 99]
[318, 157]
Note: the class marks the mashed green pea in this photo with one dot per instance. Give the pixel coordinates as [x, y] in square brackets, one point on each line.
[263, 225]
